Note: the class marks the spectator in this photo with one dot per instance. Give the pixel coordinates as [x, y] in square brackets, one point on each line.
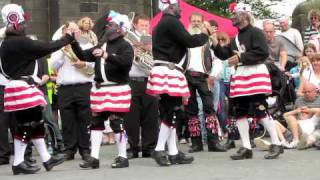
[290, 33]
[309, 50]
[302, 66]
[277, 53]
[311, 76]
[88, 36]
[302, 122]
[315, 39]
[309, 103]
[314, 19]
[221, 73]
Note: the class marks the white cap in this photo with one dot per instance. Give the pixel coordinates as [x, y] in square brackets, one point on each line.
[163, 4]
[120, 19]
[241, 7]
[12, 14]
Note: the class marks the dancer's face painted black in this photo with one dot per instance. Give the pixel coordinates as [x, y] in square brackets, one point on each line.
[112, 31]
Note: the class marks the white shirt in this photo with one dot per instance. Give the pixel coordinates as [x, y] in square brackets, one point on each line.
[196, 62]
[310, 77]
[217, 68]
[294, 36]
[308, 125]
[315, 40]
[135, 70]
[67, 73]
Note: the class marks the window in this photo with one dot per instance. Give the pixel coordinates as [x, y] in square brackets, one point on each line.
[88, 5]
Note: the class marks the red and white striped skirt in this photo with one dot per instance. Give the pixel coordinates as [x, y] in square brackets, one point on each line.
[163, 80]
[110, 98]
[250, 80]
[18, 95]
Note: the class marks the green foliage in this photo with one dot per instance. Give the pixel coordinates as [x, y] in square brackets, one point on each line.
[261, 10]
[221, 7]
[218, 7]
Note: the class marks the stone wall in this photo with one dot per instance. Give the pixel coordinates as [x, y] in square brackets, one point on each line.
[47, 15]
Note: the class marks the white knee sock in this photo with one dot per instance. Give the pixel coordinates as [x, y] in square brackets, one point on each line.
[268, 123]
[163, 136]
[243, 127]
[19, 150]
[121, 140]
[42, 149]
[96, 139]
[172, 145]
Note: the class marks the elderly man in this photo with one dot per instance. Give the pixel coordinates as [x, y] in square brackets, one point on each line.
[302, 122]
[198, 70]
[310, 99]
[277, 52]
[250, 83]
[290, 33]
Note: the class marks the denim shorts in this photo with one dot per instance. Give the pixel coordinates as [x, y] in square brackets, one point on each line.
[288, 136]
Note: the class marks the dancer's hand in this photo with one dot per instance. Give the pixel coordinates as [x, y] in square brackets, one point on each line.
[79, 64]
[98, 52]
[233, 60]
[210, 82]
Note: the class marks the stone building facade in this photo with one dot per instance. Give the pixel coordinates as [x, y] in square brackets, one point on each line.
[47, 15]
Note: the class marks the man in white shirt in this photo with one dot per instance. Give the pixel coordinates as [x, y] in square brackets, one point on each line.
[290, 33]
[74, 86]
[143, 115]
[302, 120]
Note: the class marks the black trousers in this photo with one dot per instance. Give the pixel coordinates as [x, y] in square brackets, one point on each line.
[6, 122]
[199, 84]
[13, 121]
[182, 124]
[116, 121]
[168, 107]
[74, 105]
[254, 106]
[143, 116]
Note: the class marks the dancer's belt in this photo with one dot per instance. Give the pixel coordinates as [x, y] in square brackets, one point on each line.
[31, 124]
[99, 85]
[28, 79]
[197, 74]
[139, 79]
[170, 65]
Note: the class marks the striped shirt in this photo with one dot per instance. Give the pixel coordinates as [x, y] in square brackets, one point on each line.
[309, 32]
[300, 101]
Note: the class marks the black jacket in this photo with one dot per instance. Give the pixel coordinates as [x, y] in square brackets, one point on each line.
[118, 63]
[19, 53]
[254, 41]
[170, 39]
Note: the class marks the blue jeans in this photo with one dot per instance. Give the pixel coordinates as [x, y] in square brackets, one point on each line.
[222, 114]
[219, 90]
[202, 119]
